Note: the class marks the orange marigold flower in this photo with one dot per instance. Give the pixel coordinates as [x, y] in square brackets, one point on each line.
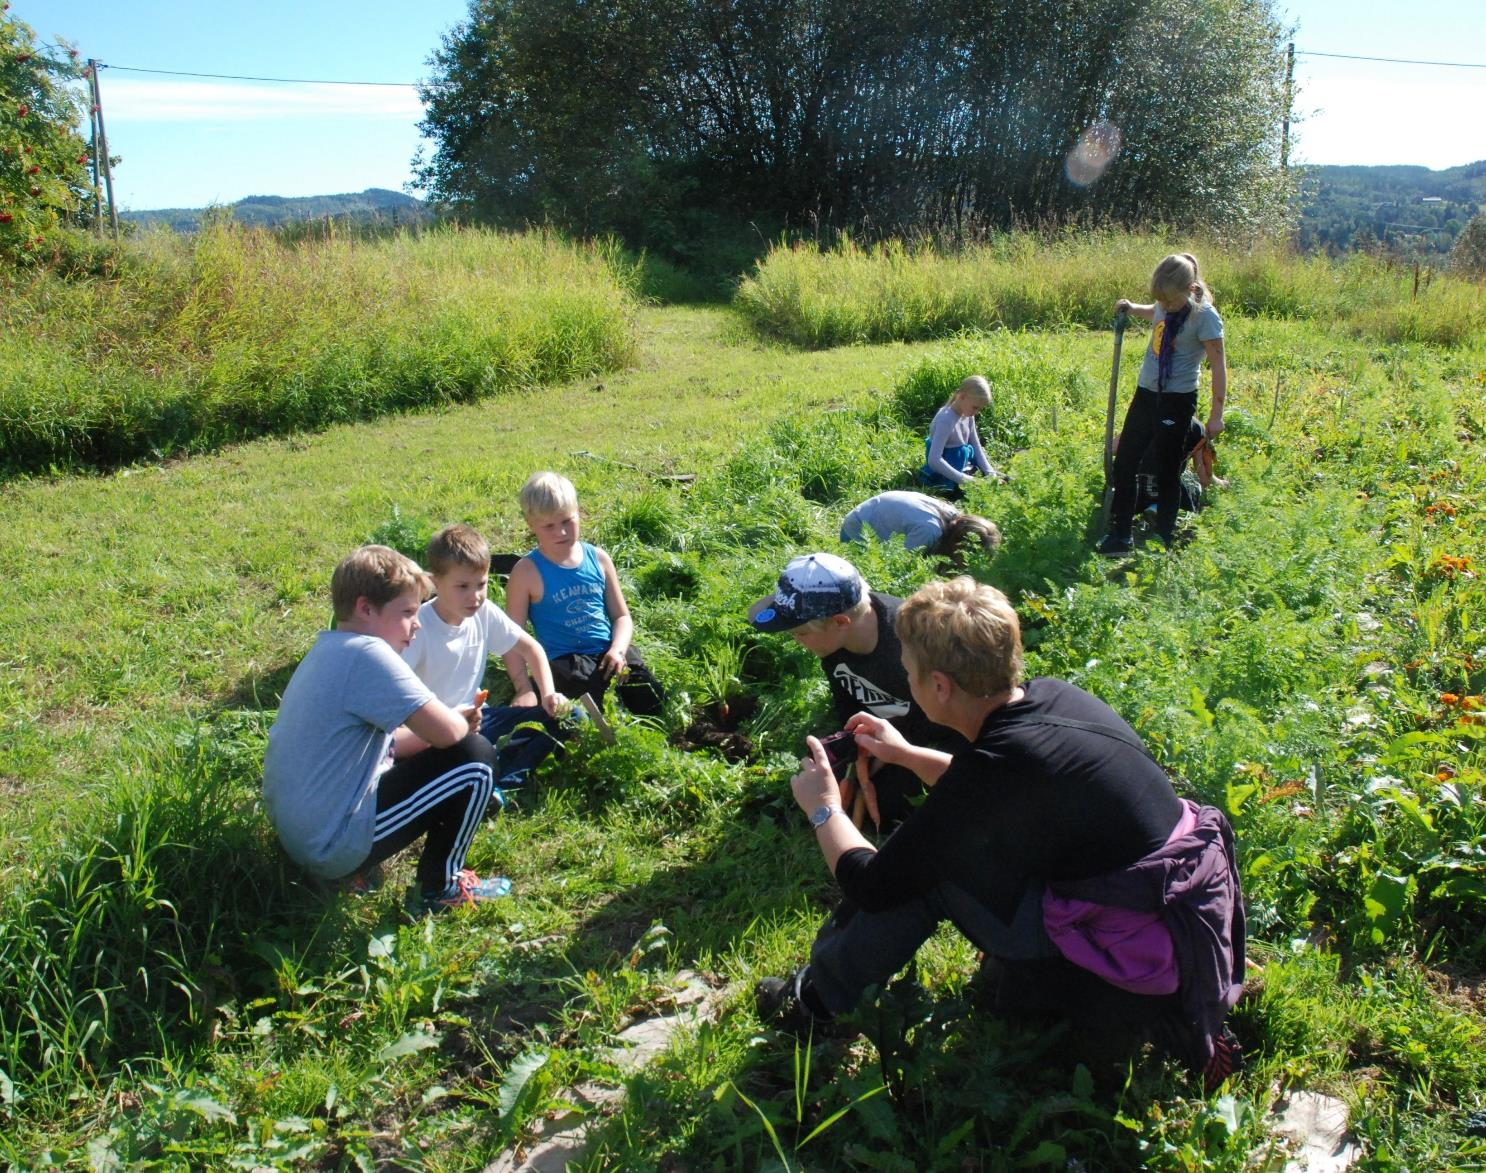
[1449, 698]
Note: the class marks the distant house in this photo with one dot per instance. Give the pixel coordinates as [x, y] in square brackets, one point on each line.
[1431, 199]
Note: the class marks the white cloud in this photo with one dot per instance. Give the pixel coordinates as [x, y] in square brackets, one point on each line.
[133, 100]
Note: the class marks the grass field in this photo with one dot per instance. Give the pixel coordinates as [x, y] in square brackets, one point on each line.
[172, 994]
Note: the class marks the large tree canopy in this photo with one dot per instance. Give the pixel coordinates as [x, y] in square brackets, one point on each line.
[611, 114]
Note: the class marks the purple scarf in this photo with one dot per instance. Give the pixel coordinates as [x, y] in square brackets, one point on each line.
[1171, 326]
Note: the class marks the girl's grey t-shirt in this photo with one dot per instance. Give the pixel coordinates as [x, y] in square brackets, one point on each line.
[1202, 325]
[329, 745]
[917, 516]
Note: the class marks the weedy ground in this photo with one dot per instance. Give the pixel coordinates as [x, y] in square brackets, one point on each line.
[173, 993]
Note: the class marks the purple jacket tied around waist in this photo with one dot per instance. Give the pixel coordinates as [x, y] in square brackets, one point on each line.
[1193, 883]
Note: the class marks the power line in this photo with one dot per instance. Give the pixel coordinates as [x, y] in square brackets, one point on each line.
[1390, 60]
[307, 81]
[321, 81]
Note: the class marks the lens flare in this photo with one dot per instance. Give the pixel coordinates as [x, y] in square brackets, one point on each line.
[1092, 154]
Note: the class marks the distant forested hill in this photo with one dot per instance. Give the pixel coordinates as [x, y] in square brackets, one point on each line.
[375, 203]
[1413, 209]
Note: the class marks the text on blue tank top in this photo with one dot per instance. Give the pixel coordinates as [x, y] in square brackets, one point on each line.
[571, 616]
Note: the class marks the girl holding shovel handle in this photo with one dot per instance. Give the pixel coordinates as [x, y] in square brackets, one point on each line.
[1186, 329]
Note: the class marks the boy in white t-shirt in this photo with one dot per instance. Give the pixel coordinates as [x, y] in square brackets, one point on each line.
[460, 628]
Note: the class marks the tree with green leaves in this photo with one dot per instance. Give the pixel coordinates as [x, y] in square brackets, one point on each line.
[43, 160]
[948, 115]
[1469, 254]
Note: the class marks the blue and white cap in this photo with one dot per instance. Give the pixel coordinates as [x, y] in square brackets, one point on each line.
[813, 586]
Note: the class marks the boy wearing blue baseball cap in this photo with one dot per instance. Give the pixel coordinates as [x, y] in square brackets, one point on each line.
[826, 605]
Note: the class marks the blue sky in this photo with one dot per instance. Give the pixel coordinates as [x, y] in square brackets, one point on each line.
[187, 142]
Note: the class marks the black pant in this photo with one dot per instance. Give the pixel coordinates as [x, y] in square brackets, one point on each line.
[639, 691]
[1159, 422]
[443, 792]
[523, 736]
[895, 786]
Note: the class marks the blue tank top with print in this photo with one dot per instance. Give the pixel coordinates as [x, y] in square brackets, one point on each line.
[571, 616]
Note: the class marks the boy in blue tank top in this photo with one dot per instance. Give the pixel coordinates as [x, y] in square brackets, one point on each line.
[569, 591]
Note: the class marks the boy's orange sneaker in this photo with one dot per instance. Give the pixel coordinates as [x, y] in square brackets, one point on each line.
[467, 891]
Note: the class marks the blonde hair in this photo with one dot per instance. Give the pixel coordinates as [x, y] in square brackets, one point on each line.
[975, 388]
[547, 494]
[377, 574]
[1177, 275]
[968, 631]
[963, 526]
[455, 546]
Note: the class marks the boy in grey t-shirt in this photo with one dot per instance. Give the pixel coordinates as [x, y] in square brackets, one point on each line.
[346, 780]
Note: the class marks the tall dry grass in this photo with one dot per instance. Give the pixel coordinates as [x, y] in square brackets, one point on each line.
[895, 291]
[191, 344]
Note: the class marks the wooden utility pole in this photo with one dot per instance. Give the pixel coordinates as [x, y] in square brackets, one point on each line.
[100, 148]
[1289, 99]
[97, 165]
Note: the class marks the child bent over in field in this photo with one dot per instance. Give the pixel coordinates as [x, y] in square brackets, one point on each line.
[459, 629]
[364, 759]
[569, 591]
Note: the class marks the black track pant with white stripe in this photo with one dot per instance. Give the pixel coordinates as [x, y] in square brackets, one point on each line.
[442, 792]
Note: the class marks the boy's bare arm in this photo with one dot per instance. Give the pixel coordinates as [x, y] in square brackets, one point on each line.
[527, 666]
[520, 588]
[435, 724]
[612, 661]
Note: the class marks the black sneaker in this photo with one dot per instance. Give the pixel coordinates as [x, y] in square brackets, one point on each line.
[1113, 545]
[781, 1002]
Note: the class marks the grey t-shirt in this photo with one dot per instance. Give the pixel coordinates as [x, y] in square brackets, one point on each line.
[329, 745]
[917, 516]
[1202, 325]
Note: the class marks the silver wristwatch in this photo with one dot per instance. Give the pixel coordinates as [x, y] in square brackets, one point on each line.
[823, 814]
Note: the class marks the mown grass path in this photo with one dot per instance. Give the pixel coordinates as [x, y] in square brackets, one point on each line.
[165, 588]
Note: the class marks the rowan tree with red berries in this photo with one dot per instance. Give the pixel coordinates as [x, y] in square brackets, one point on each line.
[43, 159]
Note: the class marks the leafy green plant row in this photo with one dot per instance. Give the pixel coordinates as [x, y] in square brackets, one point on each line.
[853, 293]
[190, 344]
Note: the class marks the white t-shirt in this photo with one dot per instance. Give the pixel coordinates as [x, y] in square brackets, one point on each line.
[451, 660]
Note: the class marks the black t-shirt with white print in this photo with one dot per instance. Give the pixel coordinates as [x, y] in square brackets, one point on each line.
[875, 682]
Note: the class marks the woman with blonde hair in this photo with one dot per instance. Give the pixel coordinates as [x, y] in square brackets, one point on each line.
[1051, 838]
